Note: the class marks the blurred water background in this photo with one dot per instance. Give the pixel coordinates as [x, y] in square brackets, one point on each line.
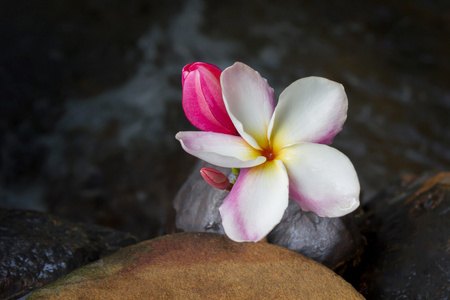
[90, 92]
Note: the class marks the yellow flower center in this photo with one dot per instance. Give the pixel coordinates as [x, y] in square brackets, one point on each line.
[269, 154]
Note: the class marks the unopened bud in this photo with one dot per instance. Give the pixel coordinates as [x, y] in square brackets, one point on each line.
[202, 98]
[216, 178]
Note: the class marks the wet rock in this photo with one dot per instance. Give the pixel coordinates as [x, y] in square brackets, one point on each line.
[201, 266]
[331, 242]
[38, 248]
[410, 248]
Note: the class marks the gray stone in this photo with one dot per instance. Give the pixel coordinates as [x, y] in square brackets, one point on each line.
[331, 242]
[197, 203]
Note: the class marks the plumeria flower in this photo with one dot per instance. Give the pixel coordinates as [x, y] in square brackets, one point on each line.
[282, 151]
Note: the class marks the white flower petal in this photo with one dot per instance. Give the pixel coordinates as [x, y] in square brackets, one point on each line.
[311, 109]
[321, 179]
[249, 102]
[220, 149]
[256, 202]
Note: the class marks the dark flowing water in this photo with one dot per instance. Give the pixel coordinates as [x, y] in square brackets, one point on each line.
[91, 93]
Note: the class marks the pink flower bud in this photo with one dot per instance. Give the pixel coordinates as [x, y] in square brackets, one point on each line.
[216, 178]
[202, 98]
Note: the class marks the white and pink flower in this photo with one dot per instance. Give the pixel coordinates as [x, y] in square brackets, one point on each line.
[282, 150]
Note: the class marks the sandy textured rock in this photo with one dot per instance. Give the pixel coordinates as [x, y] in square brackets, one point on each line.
[201, 266]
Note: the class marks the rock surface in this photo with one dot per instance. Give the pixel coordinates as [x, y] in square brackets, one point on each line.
[409, 254]
[201, 266]
[37, 248]
[331, 242]
[197, 203]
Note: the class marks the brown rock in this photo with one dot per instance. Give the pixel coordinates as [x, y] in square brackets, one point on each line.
[201, 266]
